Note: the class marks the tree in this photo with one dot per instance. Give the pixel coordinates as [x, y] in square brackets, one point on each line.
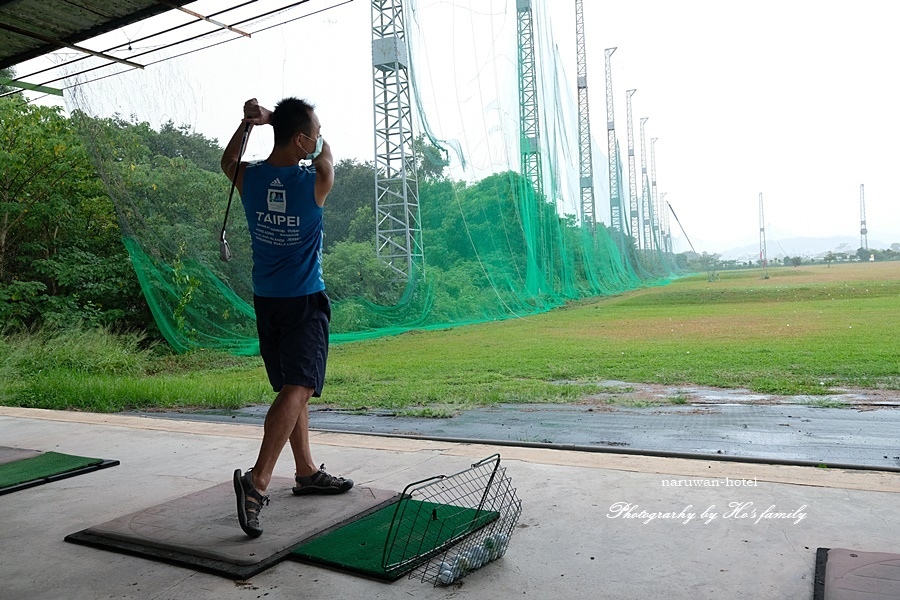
[61, 256]
[7, 73]
[354, 189]
[353, 270]
[180, 141]
[709, 263]
[796, 261]
[829, 258]
[431, 160]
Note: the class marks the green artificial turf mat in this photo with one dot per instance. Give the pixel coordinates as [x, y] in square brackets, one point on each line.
[420, 528]
[41, 469]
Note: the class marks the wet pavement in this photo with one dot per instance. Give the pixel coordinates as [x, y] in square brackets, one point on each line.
[864, 432]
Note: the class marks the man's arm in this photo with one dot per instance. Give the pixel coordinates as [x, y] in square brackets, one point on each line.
[324, 164]
[254, 114]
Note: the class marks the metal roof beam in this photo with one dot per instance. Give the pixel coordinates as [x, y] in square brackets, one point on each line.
[204, 18]
[29, 86]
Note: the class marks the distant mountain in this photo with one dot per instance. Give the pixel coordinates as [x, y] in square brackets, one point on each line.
[807, 246]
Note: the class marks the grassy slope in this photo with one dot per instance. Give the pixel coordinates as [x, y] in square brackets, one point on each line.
[801, 331]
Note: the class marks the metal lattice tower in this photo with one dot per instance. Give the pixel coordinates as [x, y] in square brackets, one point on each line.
[656, 216]
[667, 231]
[645, 192]
[530, 145]
[634, 229]
[588, 205]
[863, 230]
[763, 253]
[397, 228]
[612, 150]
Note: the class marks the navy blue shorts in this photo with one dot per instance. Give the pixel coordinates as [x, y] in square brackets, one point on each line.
[293, 339]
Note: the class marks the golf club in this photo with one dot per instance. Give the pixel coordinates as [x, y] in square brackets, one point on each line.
[224, 249]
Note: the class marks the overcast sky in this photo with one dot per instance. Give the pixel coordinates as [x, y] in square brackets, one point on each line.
[795, 99]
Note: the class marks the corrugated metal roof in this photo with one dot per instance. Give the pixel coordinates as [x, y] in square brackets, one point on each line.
[69, 21]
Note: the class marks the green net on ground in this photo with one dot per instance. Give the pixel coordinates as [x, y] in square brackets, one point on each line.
[498, 243]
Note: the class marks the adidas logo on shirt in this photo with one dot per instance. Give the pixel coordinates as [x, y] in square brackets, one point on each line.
[277, 183]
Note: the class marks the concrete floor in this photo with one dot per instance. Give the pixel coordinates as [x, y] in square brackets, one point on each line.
[579, 536]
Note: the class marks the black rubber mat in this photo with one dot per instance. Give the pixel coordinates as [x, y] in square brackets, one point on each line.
[201, 530]
[843, 574]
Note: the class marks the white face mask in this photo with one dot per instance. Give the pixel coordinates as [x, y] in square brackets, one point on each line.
[319, 142]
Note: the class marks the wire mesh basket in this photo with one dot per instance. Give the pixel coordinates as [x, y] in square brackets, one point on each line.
[447, 526]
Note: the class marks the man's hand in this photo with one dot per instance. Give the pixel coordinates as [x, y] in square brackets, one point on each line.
[256, 114]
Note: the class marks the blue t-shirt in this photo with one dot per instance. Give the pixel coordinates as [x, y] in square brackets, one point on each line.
[285, 228]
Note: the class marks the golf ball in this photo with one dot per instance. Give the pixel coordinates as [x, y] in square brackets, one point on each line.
[446, 577]
[462, 563]
[445, 566]
[480, 555]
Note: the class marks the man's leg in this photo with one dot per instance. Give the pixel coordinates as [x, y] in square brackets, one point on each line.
[300, 443]
[290, 406]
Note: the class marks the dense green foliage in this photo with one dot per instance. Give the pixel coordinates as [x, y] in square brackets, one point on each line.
[61, 261]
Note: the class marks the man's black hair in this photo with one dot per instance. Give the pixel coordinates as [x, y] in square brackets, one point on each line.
[291, 116]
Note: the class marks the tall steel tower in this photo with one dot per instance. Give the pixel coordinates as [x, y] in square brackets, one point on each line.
[763, 253]
[397, 229]
[588, 206]
[647, 242]
[530, 126]
[530, 139]
[612, 150]
[657, 214]
[863, 230]
[664, 216]
[635, 228]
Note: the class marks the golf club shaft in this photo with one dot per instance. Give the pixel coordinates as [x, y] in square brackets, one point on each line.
[234, 178]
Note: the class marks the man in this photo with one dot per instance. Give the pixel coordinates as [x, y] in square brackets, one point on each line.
[283, 202]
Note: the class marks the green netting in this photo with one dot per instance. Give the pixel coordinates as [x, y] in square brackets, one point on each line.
[497, 244]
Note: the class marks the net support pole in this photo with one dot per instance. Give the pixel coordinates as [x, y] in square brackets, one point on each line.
[530, 142]
[612, 151]
[647, 241]
[656, 213]
[634, 229]
[398, 232]
[585, 154]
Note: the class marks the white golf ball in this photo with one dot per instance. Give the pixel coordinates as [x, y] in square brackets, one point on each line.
[445, 566]
[462, 563]
[446, 577]
[481, 555]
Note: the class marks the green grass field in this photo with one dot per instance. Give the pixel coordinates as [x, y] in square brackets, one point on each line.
[803, 331]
